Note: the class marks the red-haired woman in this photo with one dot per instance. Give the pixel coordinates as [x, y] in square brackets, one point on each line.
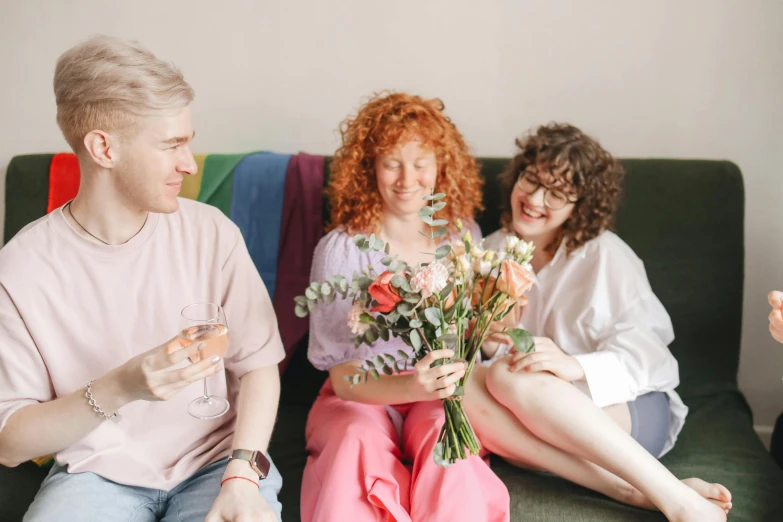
[371, 445]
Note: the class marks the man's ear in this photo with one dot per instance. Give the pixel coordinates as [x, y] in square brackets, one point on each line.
[101, 148]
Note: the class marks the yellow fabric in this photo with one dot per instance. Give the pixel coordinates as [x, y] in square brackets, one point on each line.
[191, 185]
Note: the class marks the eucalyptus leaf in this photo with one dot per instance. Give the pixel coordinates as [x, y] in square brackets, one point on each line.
[438, 455]
[356, 378]
[388, 370]
[434, 197]
[442, 231]
[397, 281]
[393, 317]
[446, 291]
[439, 223]
[326, 289]
[442, 251]
[311, 294]
[358, 239]
[412, 298]
[523, 340]
[371, 335]
[415, 323]
[405, 309]
[428, 220]
[301, 311]
[415, 340]
[375, 374]
[386, 250]
[366, 318]
[426, 211]
[329, 299]
[389, 358]
[386, 261]
[433, 315]
[300, 300]
[384, 334]
[439, 206]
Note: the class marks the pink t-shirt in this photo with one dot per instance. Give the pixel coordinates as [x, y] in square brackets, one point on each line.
[71, 310]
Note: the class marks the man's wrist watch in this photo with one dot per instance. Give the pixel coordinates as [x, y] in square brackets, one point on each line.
[258, 461]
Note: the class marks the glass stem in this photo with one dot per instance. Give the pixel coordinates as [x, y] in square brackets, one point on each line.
[206, 389]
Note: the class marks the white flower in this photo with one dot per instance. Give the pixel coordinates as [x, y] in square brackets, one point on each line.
[430, 280]
[354, 319]
[463, 265]
[522, 248]
[511, 242]
[476, 252]
[482, 267]
[501, 256]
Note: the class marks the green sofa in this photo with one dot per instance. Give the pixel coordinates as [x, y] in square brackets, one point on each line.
[685, 220]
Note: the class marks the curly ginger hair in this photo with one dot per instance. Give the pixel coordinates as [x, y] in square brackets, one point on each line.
[386, 121]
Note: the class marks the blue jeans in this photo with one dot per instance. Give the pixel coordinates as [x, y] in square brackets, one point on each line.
[87, 497]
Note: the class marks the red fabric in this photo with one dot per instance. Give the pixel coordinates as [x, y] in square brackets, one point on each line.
[63, 180]
[301, 227]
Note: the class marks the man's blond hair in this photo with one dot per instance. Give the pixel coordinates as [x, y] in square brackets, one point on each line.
[106, 84]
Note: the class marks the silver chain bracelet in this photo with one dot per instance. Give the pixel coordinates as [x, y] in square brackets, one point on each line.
[116, 417]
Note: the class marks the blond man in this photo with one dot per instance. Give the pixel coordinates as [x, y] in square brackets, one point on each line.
[90, 300]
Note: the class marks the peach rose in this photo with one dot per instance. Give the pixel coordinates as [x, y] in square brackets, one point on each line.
[384, 293]
[482, 286]
[514, 280]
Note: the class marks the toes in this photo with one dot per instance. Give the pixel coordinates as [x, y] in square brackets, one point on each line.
[723, 492]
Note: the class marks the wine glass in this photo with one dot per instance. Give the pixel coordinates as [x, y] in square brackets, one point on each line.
[205, 322]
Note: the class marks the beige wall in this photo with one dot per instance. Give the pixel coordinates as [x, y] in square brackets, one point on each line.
[699, 79]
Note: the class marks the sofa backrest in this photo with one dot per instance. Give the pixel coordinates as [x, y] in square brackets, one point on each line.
[684, 218]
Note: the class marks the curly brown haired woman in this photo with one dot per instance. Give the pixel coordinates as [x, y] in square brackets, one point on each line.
[395, 151]
[595, 402]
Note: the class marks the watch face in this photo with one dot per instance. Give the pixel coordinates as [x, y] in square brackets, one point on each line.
[262, 465]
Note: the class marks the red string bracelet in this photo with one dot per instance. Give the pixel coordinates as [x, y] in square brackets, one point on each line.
[238, 477]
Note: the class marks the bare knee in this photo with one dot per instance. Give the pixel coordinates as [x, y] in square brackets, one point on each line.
[503, 383]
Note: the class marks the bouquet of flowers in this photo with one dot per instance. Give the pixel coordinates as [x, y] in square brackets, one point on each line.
[448, 303]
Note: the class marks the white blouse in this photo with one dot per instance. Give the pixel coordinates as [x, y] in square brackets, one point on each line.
[597, 305]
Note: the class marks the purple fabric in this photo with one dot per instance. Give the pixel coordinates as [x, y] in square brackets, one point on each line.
[300, 229]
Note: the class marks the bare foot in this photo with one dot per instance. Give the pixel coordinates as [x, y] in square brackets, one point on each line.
[696, 509]
[715, 493]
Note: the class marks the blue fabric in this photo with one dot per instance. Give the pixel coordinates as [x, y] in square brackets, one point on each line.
[87, 497]
[257, 208]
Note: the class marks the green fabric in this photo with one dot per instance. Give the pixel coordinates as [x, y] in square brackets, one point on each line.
[27, 191]
[217, 181]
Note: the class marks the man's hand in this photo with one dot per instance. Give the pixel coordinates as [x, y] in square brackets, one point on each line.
[150, 377]
[240, 501]
[547, 357]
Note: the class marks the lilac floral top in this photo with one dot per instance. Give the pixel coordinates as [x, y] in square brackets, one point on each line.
[331, 340]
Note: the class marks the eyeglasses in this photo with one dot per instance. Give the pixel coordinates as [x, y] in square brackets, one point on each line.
[554, 199]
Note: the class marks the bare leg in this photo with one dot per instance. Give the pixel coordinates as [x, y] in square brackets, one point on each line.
[559, 414]
[504, 435]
